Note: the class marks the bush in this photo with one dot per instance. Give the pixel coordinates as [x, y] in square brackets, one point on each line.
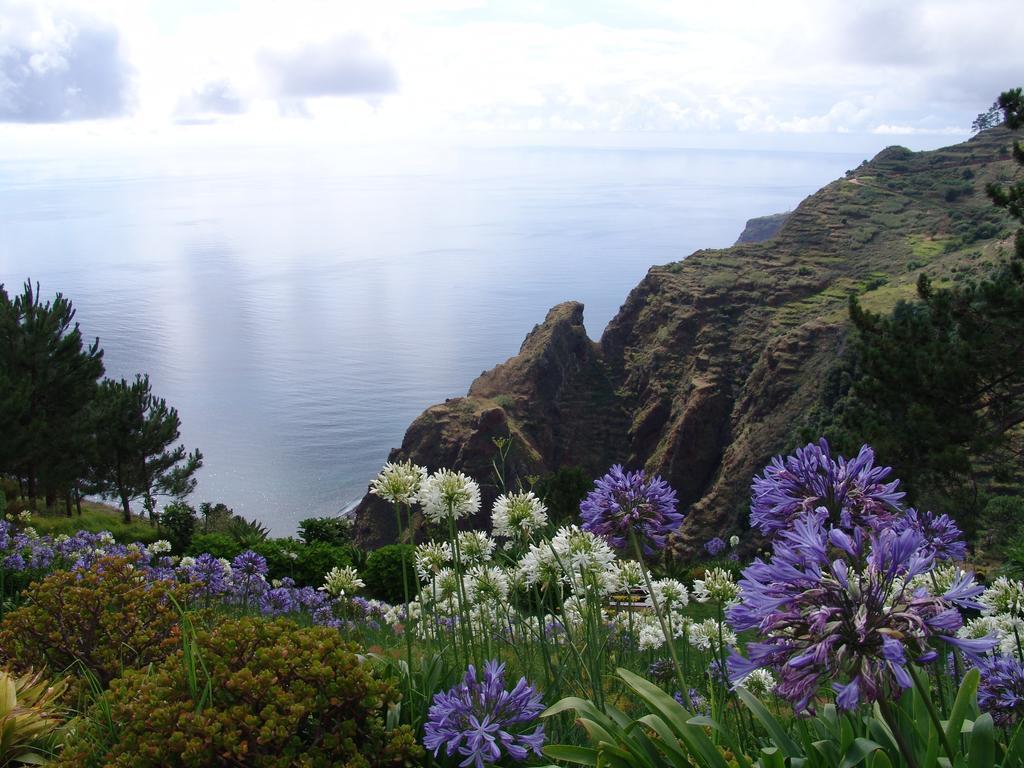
[108, 618]
[307, 564]
[383, 572]
[1001, 522]
[329, 530]
[272, 693]
[217, 544]
[562, 492]
[178, 521]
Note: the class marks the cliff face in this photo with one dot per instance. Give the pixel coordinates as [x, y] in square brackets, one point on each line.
[762, 228]
[711, 363]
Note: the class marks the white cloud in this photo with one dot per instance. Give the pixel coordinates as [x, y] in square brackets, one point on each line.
[416, 67]
[60, 68]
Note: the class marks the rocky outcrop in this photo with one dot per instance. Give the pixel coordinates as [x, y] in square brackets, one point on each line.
[712, 363]
[762, 228]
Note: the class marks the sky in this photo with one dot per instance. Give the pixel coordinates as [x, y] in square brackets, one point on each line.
[762, 74]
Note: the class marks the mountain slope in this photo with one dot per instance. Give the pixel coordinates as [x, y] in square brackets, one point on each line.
[711, 362]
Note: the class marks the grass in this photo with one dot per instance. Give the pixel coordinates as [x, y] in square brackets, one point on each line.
[96, 517]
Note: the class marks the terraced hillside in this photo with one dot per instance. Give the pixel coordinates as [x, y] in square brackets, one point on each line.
[712, 361]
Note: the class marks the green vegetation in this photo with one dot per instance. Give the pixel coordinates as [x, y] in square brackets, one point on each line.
[66, 432]
[252, 692]
[937, 385]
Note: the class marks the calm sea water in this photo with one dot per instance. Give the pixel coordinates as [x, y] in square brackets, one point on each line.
[301, 307]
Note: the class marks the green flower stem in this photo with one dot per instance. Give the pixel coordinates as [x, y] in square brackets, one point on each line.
[405, 588]
[669, 640]
[890, 718]
[931, 711]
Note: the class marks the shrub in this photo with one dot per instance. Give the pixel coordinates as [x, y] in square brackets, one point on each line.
[108, 618]
[1001, 521]
[28, 718]
[217, 544]
[271, 693]
[562, 492]
[329, 530]
[307, 564]
[383, 572]
[247, 533]
[178, 521]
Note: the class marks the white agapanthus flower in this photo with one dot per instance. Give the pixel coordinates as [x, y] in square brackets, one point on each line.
[670, 594]
[649, 634]
[573, 556]
[160, 547]
[1003, 596]
[342, 581]
[475, 547]
[395, 614]
[105, 539]
[187, 562]
[939, 579]
[716, 586]
[734, 541]
[487, 584]
[449, 494]
[627, 575]
[399, 482]
[705, 635]
[431, 557]
[445, 586]
[760, 682]
[518, 514]
[1003, 626]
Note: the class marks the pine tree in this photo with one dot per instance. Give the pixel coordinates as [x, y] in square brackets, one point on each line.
[134, 457]
[48, 377]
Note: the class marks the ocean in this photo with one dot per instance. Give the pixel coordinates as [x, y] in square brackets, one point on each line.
[301, 306]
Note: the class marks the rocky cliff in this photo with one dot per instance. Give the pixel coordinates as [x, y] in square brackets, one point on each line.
[712, 362]
[761, 228]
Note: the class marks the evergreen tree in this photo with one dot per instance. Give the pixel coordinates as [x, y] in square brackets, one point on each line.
[47, 379]
[134, 457]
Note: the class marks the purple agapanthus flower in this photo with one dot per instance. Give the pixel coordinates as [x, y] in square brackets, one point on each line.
[483, 721]
[622, 502]
[1001, 689]
[853, 491]
[714, 547]
[210, 574]
[941, 534]
[841, 608]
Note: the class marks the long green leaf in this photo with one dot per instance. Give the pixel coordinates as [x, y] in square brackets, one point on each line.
[983, 743]
[965, 698]
[571, 754]
[779, 736]
[676, 717]
[858, 752]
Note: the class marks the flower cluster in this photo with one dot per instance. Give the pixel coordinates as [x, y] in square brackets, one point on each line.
[399, 482]
[518, 515]
[714, 547]
[841, 608]
[484, 722]
[853, 492]
[447, 494]
[625, 503]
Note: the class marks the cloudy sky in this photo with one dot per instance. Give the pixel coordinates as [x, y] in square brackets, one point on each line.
[195, 70]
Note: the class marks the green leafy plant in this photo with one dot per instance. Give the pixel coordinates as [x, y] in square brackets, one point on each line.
[328, 530]
[907, 733]
[251, 692]
[178, 521]
[383, 571]
[29, 718]
[247, 533]
[106, 618]
[217, 544]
